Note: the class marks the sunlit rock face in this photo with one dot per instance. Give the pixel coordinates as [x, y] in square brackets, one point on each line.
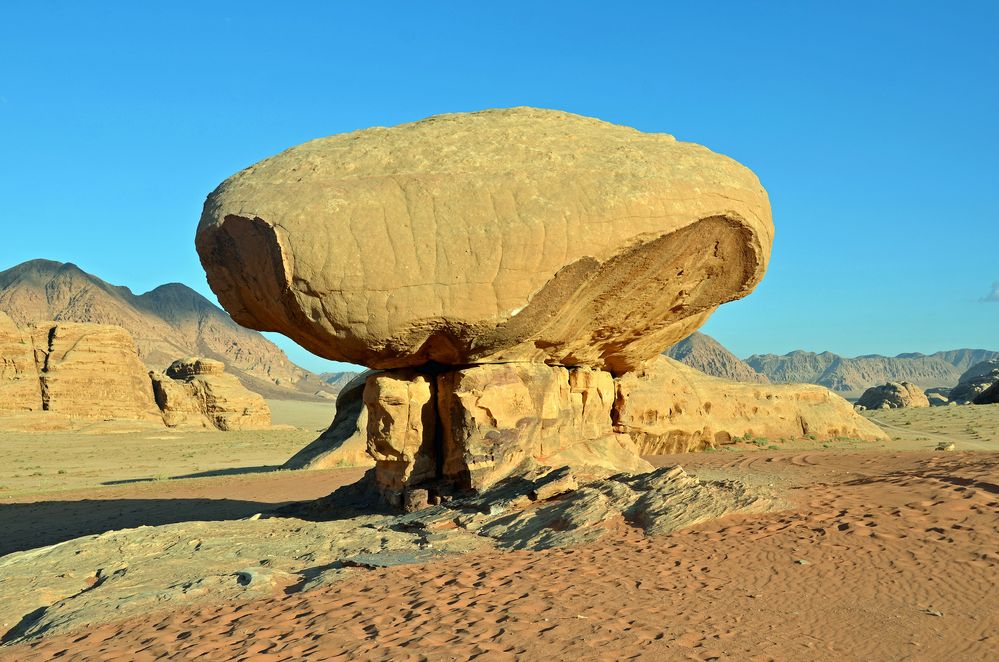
[499, 268]
[505, 235]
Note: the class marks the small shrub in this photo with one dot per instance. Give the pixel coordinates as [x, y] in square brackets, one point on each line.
[773, 447]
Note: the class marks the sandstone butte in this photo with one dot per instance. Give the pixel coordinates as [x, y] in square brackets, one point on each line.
[56, 374]
[509, 274]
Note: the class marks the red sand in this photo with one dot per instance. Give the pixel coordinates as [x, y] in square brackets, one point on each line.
[900, 562]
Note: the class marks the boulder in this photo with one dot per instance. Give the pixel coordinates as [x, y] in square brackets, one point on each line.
[196, 391]
[91, 371]
[893, 395]
[668, 407]
[20, 389]
[978, 370]
[974, 383]
[989, 396]
[938, 396]
[345, 443]
[499, 236]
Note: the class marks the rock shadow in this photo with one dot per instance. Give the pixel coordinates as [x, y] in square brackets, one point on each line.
[26, 526]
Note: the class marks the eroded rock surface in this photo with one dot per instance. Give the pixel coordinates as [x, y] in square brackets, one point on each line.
[893, 395]
[504, 235]
[20, 389]
[91, 371]
[196, 391]
[976, 381]
[668, 407]
[345, 442]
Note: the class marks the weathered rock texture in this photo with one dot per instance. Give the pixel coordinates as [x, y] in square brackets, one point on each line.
[20, 389]
[504, 235]
[989, 396]
[974, 382]
[667, 407]
[196, 391]
[470, 428]
[706, 354]
[345, 443]
[91, 371]
[166, 323]
[893, 395]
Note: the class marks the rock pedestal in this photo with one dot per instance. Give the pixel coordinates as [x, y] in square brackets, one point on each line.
[466, 429]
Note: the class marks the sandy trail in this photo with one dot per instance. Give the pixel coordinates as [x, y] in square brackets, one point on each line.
[883, 556]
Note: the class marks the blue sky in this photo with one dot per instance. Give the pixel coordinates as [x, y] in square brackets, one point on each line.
[873, 125]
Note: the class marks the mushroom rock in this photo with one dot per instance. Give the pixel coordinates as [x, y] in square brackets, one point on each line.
[504, 235]
[498, 268]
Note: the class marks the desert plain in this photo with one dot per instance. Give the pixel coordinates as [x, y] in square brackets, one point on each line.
[880, 550]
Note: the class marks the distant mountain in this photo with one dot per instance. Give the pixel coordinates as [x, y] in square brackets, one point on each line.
[851, 376]
[335, 381]
[170, 322]
[706, 354]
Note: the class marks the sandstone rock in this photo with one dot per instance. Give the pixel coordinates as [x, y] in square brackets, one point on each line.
[893, 395]
[402, 428]
[989, 396]
[496, 416]
[938, 396]
[977, 382]
[345, 443]
[20, 389]
[978, 370]
[668, 407]
[195, 391]
[91, 371]
[169, 321]
[504, 235]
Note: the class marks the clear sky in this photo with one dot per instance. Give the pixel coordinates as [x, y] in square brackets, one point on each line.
[873, 125]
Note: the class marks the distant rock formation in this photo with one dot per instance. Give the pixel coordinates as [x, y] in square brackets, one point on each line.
[195, 391]
[86, 372]
[974, 382]
[89, 371]
[893, 395]
[169, 321]
[979, 370]
[668, 407]
[20, 388]
[989, 396]
[851, 376]
[938, 396]
[706, 354]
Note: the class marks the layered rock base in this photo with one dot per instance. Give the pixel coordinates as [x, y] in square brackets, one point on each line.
[436, 433]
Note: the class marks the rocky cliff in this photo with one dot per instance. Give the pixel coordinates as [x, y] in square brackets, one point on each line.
[168, 322]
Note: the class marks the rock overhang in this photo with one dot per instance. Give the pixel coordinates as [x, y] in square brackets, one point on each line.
[506, 235]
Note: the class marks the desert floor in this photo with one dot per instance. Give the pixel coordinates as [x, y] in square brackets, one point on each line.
[887, 551]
